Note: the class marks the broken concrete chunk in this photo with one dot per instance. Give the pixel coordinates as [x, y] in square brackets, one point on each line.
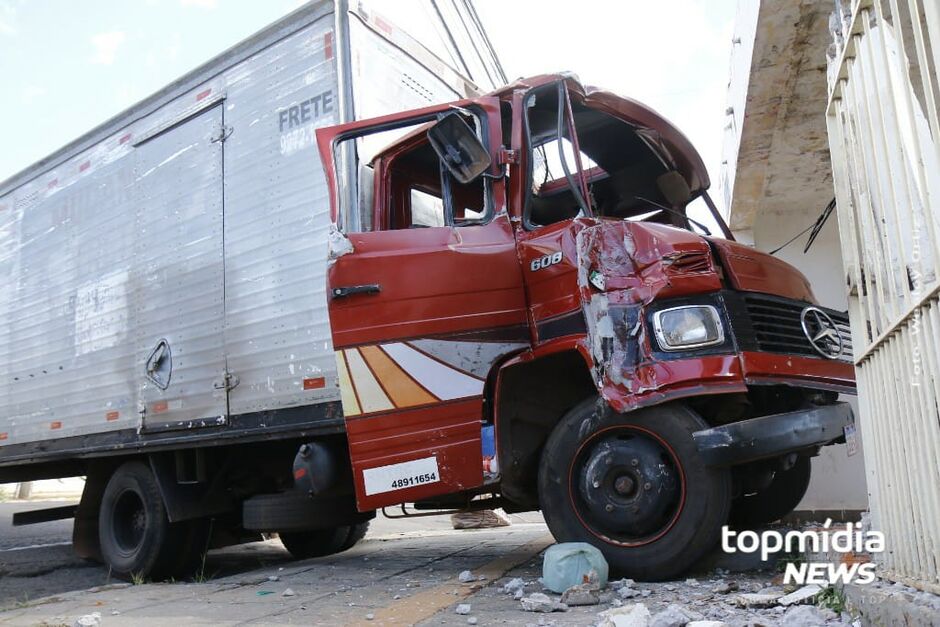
[512, 585]
[803, 595]
[466, 577]
[518, 594]
[572, 563]
[370, 616]
[287, 593]
[629, 593]
[622, 583]
[472, 620]
[462, 609]
[583, 594]
[725, 587]
[757, 599]
[803, 616]
[674, 616]
[707, 623]
[88, 620]
[538, 602]
[634, 615]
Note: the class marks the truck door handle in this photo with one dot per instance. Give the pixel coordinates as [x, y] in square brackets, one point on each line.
[342, 292]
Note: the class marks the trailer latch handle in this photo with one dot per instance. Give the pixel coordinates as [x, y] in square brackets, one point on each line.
[342, 292]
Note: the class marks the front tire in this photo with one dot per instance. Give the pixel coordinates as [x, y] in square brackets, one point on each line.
[635, 487]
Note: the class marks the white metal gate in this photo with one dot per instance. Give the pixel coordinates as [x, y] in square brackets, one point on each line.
[884, 130]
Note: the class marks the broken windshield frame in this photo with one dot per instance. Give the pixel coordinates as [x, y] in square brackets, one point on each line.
[601, 166]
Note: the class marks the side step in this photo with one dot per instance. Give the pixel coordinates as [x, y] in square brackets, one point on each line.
[35, 516]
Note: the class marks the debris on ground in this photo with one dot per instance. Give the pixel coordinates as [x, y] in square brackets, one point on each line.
[466, 577]
[370, 616]
[463, 609]
[757, 599]
[484, 519]
[273, 578]
[539, 602]
[634, 615]
[572, 563]
[581, 594]
[803, 595]
[806, 616]
[472, 620]
[674, 616]
[88, 620]
[725, 587]
[287, 593]
[513, 585]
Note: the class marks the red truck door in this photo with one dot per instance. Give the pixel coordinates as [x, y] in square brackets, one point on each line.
[426, 296]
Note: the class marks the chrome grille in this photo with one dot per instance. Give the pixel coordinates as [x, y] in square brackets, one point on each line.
[778, 329]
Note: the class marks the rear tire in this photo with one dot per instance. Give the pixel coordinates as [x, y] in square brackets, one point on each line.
[322, 542]
[137, 539]
[635, 487]
[781, 497]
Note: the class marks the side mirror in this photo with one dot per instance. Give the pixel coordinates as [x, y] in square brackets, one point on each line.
[458, 148]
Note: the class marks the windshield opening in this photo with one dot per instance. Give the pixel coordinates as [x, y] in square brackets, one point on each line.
[624, 173]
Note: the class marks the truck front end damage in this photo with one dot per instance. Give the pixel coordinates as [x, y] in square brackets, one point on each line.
[670, 315]
[715, 371]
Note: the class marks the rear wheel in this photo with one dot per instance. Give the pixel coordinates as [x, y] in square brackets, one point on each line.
[322, 542]
[781, 497]
[136, 537]
[634, 486]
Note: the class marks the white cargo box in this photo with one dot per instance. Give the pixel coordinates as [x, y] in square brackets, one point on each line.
[162, 277]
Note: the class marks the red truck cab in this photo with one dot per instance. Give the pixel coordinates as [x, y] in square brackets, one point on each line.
[523, 313]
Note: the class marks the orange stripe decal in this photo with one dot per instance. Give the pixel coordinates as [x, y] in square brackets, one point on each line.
[55, 425]
[4, 436]
[402, 389]
[112, 415]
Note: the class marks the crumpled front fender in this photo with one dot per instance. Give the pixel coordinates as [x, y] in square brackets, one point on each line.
[638, 264]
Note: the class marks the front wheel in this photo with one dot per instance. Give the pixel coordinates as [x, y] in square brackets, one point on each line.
[635, 487]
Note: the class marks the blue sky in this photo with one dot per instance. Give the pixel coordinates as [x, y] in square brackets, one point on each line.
[67, 65]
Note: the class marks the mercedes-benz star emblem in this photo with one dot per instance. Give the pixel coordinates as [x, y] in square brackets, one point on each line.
[822, 332]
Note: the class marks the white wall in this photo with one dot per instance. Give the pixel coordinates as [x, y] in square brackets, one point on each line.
[838, 480]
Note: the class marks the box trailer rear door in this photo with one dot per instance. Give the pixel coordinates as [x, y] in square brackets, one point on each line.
[179, 290]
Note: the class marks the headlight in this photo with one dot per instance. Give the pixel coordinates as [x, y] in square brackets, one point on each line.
[691, 326]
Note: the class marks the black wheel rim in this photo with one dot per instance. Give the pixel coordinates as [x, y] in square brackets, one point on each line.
[627, 486]
[129, 522]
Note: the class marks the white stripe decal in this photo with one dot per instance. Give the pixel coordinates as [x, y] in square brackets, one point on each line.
[371, 396]
[439, 379]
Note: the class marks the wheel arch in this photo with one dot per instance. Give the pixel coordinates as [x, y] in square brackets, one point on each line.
[532, 392]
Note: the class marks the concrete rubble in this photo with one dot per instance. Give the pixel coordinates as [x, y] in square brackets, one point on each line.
[466, 577]
[540, 602]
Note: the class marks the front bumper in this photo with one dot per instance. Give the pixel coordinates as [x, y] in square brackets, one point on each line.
[771, 436]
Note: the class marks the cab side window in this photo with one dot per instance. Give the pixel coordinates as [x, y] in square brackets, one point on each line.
[401, 185]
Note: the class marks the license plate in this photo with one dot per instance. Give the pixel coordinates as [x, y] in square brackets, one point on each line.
[851, 439]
